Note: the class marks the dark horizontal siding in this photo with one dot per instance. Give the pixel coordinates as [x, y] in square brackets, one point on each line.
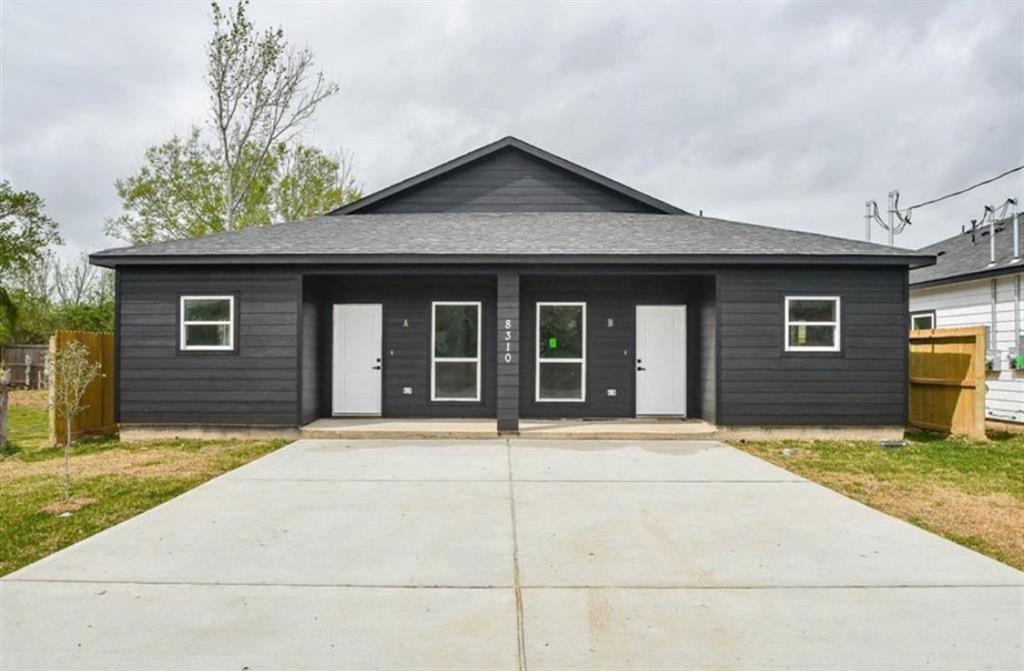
[611, 351]
[761, 384]
[705, 390]
[257, 385]
[311, 373]
[406, 305]
[508, 181]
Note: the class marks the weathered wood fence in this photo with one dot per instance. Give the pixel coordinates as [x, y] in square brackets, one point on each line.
[98, 416]
[947, 380]
[27, 365]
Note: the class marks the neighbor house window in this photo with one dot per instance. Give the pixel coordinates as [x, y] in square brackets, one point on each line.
[561, 373]
[922, 320]
[207, 322]
[812, 323]
[455, 352]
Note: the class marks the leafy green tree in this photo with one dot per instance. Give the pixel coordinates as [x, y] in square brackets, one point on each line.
[176, 194]
[253, 172]
[25, 234]
[54, 294]
[310, 183]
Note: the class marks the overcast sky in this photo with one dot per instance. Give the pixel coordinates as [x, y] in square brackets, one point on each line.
[789, 115]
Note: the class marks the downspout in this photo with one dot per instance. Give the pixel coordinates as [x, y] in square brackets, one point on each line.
[1018, 294]
[995, 314]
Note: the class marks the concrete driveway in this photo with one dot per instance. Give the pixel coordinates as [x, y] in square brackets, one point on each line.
[488, 554]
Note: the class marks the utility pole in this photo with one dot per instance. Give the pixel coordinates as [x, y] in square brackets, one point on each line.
[893, 195]
[867, 219]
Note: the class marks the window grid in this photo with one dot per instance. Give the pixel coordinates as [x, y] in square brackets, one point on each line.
[835, 347]
[929, 315]
[434, 359]
[230, 323]
[582, 360]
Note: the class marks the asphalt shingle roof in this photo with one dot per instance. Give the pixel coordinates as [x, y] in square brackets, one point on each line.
[958, 256]
[490, 234]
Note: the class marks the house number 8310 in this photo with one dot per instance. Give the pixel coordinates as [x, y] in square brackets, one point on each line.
[508, 341]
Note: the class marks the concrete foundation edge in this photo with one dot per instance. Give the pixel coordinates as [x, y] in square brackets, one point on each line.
[1005, 426]
[144, 432]
[134, 433]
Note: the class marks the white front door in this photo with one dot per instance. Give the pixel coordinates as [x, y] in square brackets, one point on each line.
[661, 360]
[357, 360]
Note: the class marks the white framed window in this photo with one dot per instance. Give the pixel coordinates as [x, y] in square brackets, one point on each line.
[922, 321]
[207, 323]
[455, 351]
[812, 324]
[561, 368]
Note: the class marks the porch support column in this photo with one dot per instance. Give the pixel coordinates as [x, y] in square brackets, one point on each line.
[508, 351]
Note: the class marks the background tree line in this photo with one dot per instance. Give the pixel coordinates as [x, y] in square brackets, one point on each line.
[243, 166]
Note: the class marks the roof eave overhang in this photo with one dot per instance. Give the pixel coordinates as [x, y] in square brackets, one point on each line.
[119, 260]
[1010, 269]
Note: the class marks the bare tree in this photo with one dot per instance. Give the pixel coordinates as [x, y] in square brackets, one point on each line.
[70, 372]
[78, 282]
[262, 90]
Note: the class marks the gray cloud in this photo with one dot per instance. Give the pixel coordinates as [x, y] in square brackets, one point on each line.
[782, 114]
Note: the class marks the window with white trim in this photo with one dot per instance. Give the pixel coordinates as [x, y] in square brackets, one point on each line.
[922, 321]
[812, 324]
[561, 372]
[455, 351]
[207, 323]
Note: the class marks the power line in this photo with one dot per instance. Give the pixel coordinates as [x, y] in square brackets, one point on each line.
[963, 191]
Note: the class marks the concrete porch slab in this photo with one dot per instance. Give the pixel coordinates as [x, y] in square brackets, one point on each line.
[399, 429]
[558, 429]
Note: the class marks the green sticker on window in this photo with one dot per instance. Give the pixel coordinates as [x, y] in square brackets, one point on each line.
[552, 343]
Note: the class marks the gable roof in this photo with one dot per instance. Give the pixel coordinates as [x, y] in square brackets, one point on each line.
[959, 258]
[521, 237]
[367, 203]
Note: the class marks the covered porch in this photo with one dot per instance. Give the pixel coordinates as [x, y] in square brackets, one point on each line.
[506, 350]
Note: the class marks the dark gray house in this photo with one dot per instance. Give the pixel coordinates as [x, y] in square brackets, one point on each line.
[510, 283]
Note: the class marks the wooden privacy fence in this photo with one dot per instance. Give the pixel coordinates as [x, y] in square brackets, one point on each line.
[98, 416]
[26, 365]
[947, 380]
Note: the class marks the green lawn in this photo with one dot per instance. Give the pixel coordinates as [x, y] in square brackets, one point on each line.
[970, 492]
[111, 481]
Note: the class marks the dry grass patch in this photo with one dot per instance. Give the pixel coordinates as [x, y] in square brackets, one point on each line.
[72, 505]
[28, 398]
[137, 462]
[970, 493]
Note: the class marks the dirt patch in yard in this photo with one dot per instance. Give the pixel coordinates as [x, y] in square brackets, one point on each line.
[71, 505]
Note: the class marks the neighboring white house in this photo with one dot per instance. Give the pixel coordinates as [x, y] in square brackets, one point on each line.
[979, 280]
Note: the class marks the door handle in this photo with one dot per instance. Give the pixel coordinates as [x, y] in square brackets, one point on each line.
[377, 367]
[640, 368]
